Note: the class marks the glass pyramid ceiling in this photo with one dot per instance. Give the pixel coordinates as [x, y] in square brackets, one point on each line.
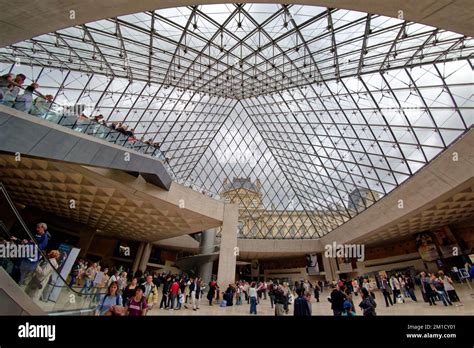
[325, 110]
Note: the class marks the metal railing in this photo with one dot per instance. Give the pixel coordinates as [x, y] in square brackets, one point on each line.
[66, 298]
[65, 116]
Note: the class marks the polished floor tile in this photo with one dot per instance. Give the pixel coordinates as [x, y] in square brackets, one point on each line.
[324, 308]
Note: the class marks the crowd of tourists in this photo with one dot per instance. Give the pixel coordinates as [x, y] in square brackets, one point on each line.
[33, 102]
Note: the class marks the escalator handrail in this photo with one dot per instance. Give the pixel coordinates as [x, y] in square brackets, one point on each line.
[33, 239]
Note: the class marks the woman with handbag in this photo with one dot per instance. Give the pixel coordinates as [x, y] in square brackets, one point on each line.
[110, 303]
[41, 275]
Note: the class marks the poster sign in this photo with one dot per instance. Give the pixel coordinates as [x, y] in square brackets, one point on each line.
[426, 247]
[464, 273]
[312, 265]
[64, 269]
[446, 242]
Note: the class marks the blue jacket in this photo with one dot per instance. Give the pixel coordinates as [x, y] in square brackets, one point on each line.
[42, 242]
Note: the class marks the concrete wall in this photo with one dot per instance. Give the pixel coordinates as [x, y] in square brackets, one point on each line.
[294, 274]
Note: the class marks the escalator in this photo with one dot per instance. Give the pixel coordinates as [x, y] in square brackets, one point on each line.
[47, 293]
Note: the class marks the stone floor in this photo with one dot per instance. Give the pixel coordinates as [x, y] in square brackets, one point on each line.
[324, 308]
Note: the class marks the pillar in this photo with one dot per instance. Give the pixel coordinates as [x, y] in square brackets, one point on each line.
[206, 246]
[227, 252]
[145, 257]
[85, 240]
[138, 257]
[330, 268]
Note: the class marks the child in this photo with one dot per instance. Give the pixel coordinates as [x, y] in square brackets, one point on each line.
[348, 310]
[180, 299]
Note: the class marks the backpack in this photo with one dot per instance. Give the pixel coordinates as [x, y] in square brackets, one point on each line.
[141, 302]
[117, 301]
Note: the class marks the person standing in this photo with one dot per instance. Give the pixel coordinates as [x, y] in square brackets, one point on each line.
[449, 287]
[89, 277]
[317, 290]
[122, 282]
[75, 274]
[165, 292]
[136, 306]
[427, 289]
[271, 293]
[410, 287]
[301, 305]
[286, 296]
[355, 286]
[253, 298]
[41, 275]
[368, 304]
[151, 292]
[395, 285]
[129, 290]
[212, 291]
[28, 265]
[280, 300]
[174, 289]
[439, 288]
[108, 301]
[337, 299]
[10, 94]
[246, 291]
[385, 287]
[25, 101]
[195, 290]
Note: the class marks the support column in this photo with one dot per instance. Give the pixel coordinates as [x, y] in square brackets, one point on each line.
[330, 268]
[85, 239]
[206, 246]
[138, 257]
[227, 253]
[145, 257]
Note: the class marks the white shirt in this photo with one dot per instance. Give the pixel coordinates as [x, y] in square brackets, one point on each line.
[253, 292]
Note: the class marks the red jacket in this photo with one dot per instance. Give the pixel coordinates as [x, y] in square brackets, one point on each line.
[174, 288]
